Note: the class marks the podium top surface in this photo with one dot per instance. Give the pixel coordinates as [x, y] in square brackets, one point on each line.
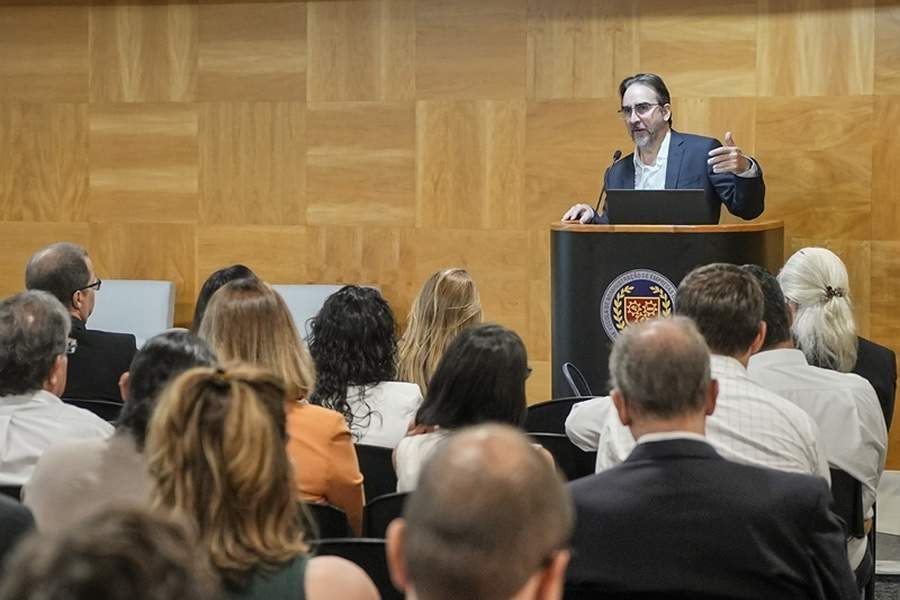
[722, 228]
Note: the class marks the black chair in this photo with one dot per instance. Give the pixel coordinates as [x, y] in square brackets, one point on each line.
[577, 383]
[550, 416]
[379, 513]
[599, 593]
[330, 521]
[847, 503]
[571, 460]
[11, 491]
[106, 410]
[369, 554]
[377, 468]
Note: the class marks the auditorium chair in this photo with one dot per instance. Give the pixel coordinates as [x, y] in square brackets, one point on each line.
[380, 511]
[550, 416]
[571, 460]
[12, 491]
[368, 554]
[105, 409]
[377, 468]
[141, 307]
[846, 493]
[330, 521]
[304, 301]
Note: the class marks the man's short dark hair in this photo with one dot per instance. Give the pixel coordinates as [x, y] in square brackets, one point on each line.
[652, 81]
[34, 328]
[775, 313]
[726, 303]
[60, 269]
[489, 512]
[159, 361]
[122, 554]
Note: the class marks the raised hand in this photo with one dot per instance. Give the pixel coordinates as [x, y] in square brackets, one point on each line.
[728, 158]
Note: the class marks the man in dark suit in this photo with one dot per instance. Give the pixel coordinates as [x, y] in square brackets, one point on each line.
[666, 159]
[66, 271]
[15, 522]
[676, 519]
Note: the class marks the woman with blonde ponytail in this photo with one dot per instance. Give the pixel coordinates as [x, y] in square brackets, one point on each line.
[216, 453]
[447, 304]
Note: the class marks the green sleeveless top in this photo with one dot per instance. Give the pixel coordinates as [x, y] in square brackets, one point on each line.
[287, 583]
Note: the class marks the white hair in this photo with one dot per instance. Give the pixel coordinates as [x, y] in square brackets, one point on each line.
[815, 280]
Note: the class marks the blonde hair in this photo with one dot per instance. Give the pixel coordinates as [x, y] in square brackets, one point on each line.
[247, 321]
[216, 452]
[447, 303]
[816, 281]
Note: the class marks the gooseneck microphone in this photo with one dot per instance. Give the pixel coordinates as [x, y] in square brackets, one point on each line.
[616, 156]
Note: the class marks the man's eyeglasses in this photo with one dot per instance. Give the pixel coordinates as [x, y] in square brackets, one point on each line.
[71, 346]
[96, 285]
[642, 109]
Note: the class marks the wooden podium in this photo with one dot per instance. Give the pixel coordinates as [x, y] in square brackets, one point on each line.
[605, 276]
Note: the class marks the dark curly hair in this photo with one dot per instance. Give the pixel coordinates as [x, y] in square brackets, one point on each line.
[353, 343]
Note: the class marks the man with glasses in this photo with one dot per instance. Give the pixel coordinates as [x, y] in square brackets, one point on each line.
[666, 159]
[65, 270]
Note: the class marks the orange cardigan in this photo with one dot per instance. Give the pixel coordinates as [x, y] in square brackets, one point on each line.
[325, 464]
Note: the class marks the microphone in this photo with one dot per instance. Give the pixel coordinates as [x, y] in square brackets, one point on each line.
[616, 156]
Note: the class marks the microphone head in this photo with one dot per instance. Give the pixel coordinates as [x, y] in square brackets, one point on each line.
[617, 155]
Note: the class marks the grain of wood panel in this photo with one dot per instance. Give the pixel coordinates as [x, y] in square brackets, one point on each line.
[276, 254]
[44, 53]
[537, 388]
[887, 47]
[884, 325]
[815, 47]
[713, 117]
[580, 48]
[700, 47]
[143, 52]
[539, 295]
[252, 51]
[18, 241]
[470, 49]
[568, 146]
[252, 163]
[361, 50]
[470, 160]
[361, 164]
[144, 163]
[148, 251]
[43, 162]
[885, 174]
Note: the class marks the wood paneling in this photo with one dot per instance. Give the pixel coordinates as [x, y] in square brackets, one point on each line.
[18, 241]
[887, 47]
[885, 174]
[43, 162]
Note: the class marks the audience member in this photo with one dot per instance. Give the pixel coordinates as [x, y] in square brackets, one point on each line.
[65, 270]
[676, 519]
[247, 321]
[34, 350]
[15, 522]
[123, 554]
[489, 520]
[815, 282]
[353, 345]
[480, 379]
[75, 479]
[211, 286]
[216, 454]
[751, 425]
[447, 303]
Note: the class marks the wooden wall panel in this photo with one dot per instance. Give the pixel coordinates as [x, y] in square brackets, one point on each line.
[18, 241]
[44, 53]
[885, 174]
[887, 47]
[43, 162]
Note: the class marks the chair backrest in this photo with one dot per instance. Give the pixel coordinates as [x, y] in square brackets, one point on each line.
[11, 491]
[144, 308]
[380, 511]
[377, 468]
[571, 460]
[331, 522]
[577, 382]
[304, 301]
[105, 409]
[369, 555]
[846, 493]
[550, 416]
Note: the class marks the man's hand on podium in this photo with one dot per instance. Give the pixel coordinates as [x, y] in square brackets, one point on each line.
[583, 213]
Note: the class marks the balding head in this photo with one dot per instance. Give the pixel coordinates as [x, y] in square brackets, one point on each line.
[60, 269]
[488, 518]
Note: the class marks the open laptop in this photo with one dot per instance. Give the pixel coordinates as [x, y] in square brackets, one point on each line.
[660, 207]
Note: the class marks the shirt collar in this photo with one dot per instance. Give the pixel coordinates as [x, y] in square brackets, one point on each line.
[38, 397]
[661, 157]
[779, 357]
[722, 365]
[662, 436]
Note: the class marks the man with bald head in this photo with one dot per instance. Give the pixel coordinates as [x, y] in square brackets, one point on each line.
[490, 520]
[65, 270]
[676, 518]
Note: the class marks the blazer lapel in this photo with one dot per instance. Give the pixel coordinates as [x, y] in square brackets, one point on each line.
[673, 163]
[624, 174]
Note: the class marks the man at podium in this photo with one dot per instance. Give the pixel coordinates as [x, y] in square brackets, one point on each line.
[666, 159]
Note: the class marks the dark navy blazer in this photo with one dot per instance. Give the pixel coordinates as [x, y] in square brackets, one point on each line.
[686, 168]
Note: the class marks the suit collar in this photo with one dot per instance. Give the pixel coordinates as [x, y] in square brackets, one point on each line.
[676, 153]
[678, 448]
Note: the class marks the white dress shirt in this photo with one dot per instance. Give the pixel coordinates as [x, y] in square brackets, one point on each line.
[846, 410]
[382, 415]
[750, 425]
[32, 423]
[412, 454]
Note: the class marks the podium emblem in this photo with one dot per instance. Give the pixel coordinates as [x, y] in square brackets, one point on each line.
[635, 296]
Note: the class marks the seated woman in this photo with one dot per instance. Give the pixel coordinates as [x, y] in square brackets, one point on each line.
[247, 321]
[446, 304]
[815, 282]
[480, 379]
[216, 456]
[212, 285]
[353, 345]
